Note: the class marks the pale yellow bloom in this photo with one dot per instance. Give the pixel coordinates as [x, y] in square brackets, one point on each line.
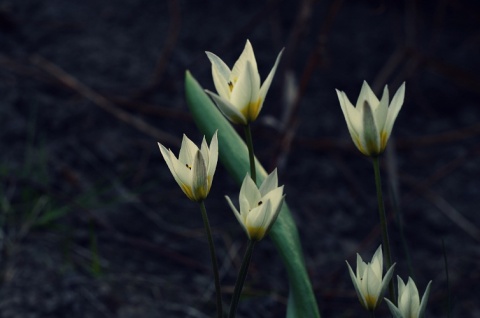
[194, 168]
[369, 282]
[371, 121]
[239, 94]
[259, 207]
[409, 304]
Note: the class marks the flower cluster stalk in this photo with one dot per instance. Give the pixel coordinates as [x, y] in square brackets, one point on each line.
[383, 222]
[213, 257]
[241, 278]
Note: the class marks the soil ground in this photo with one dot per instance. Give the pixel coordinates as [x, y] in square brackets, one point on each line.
[94, 225]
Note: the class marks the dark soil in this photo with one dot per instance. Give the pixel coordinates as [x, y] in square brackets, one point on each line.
[94, 225]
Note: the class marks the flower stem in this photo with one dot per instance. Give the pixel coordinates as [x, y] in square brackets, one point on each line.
[214, 259]
[241, 279]
[251, 155]
[383, 224]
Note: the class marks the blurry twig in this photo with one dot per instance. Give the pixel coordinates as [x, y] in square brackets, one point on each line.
[72, 83]
[424, 189]
[95, 302]
[316, 57]
[456, 74]
[388, 68]
[151, 110]
[173, 31]
[239, 36]
[22, 68]
[162, 250]
[326, 144]
[298, 31]
[441, 138]
[453, 214]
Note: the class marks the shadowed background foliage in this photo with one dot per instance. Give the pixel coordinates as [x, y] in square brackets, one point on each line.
[92, 224]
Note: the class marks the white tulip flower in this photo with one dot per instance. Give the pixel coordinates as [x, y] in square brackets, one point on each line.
[259, 207]
[369, 282]
[409, 304]
[371, 121]
[194, 168]
[240, 97]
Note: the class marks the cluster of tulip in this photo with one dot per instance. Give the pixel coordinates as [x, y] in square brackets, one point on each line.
[240, 97]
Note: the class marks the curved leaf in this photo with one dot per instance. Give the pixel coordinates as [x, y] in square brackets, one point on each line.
[234, 156]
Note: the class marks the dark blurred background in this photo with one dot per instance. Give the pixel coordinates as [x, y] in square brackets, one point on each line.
[92, 224]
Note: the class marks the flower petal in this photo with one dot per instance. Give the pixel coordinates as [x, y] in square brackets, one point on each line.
[250, 191]
[212, 157]
[386, 280]
[352, 117]
[199, 173]
[395, 106]
[396, 313]
[204, 151]
[243, 90]
[174, 165]
[166, 156]
[356, 286]
[414, 296]
[360, 266]
[228, 109]
[380, 113]
[270, 183]
[268, 81]
[221, 75]
[276, 207]
[236, 213]
[240, 65]
[377, 262]
[370, 139]
[423, 303]
[188, 150]
[257, 221]
[405, 303]
[275, 197]
[183, 174]
[373, 286]
[366, 94]
[245, 207]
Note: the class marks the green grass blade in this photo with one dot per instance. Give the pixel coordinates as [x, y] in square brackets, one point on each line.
[234, 156]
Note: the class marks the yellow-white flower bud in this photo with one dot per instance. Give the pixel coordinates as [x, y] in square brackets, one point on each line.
[409, 304]
[368, 281]
[194, 168]
[371, 121]
[239, 94]
[259, 207]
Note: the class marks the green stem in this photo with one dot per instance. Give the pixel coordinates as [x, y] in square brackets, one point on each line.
[241, 279]
[406, 250]
[373, 313]
[383, 225]
[251, 154]
[214, 259]
[449, 312]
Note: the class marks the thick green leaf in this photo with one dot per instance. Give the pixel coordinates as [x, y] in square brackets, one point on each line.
[234, 156]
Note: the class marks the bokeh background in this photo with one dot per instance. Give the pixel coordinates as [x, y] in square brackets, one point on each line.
[92, 224]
